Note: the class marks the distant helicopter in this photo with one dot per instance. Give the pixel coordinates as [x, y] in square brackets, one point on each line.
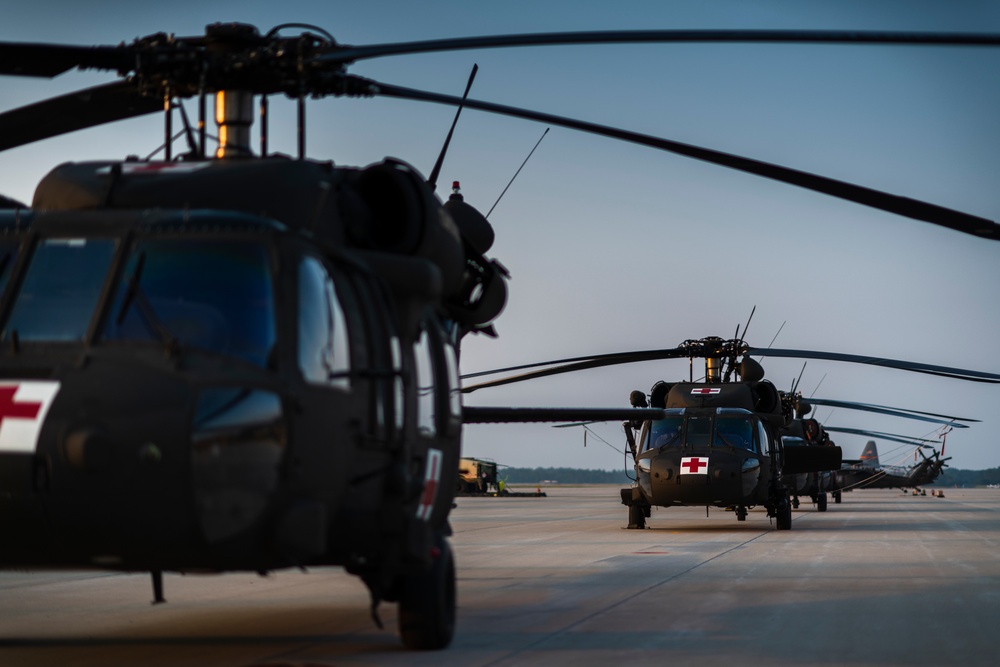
[233, 360]
[719, 443]
[804, 430]
[869, 473]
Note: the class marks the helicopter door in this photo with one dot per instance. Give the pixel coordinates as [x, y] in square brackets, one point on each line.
[328, 429]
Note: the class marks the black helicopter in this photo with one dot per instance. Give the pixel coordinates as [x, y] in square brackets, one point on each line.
[236, 360]
[868, 473]
[720, 442]
[806, 430]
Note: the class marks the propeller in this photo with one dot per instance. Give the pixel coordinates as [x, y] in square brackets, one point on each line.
[905, 439]
[918, 415]
[236, 56]
[714, 348]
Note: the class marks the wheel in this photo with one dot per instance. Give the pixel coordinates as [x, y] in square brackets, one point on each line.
[783, 514]
[795, 502]
[636, 517]
[836, 497]
[427, 603]
[821, 502]
[741, 513]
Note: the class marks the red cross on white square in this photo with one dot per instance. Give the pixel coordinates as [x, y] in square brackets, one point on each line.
[23, 407]
[694, 465]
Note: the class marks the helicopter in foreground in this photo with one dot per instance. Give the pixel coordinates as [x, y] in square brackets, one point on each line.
[239, 360]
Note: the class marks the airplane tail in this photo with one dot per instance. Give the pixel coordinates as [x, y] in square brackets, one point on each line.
[869, 456]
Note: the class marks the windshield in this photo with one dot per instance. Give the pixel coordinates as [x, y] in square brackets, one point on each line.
[57, 297]
[701, 430]
[210, 294]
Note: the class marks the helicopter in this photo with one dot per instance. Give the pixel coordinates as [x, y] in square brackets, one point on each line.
[868, 473]
[805, 430]
[720, 441]
[237, 360]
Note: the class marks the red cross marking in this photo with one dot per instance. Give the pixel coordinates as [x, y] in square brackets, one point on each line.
[694, 465]
[8, 408]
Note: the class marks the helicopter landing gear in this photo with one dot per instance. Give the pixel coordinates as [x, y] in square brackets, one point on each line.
[783, 514]
[427, 603]
[821, 502]
[636, 517]
[795, 502]
[741, 513]
[836, 497]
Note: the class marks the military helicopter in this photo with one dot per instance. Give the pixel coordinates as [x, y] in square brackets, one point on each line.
[236, 360]
[868, 473]
[719, 442]
[805, 430]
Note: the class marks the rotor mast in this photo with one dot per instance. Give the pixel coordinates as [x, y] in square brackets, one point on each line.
[234, 118]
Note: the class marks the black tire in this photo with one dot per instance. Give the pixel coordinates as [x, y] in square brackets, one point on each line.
[783, 514]
[636, 517]
[795, 502]
[836, 497]
[427, 603]
[821, 502]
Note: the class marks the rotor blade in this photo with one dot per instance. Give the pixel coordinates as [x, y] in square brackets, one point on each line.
[906, 440]
[904, 206]
[942, 371]
[49, 60]
[75, 111]
[572, 365]
[346, 54]
[895, 412]
[495, 415]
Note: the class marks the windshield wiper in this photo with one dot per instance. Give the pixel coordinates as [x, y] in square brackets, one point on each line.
[135, 294]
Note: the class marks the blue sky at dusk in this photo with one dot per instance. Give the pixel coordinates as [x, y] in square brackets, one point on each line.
[612, 246]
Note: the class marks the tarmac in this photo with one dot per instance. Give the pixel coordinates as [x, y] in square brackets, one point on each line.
[884, 578]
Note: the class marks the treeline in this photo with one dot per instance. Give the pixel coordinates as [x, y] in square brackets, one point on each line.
[968, 478]
[951, 477]
[563, 476]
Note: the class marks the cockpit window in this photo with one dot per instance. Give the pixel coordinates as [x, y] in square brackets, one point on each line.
[60, 290]
[664, 433]
[733, 432]
[701, 430]
[211, 294]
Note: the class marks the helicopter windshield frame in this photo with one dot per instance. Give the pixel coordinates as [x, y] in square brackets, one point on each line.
[729, 428]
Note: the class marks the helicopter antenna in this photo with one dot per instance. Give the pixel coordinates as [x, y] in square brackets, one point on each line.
[775, 337]
[518, 172]
[432, 181]
[795, 385]
[817, 386]
[739, 344]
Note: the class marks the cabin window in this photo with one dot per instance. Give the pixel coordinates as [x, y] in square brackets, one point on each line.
[324, 354]
[57, 298]
[216, 295]
[426, 385]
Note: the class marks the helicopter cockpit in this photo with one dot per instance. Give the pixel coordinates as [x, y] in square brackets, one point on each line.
[721, 427]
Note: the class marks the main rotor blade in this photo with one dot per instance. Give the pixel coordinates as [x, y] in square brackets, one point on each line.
[904, 206]
[905, 439]
[346, 54]
[49, 60]
[895, 412]
[75, 111]
[571, 365]
[500, 415]
[916, 367]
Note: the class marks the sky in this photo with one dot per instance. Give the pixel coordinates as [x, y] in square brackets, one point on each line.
[615, 247]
